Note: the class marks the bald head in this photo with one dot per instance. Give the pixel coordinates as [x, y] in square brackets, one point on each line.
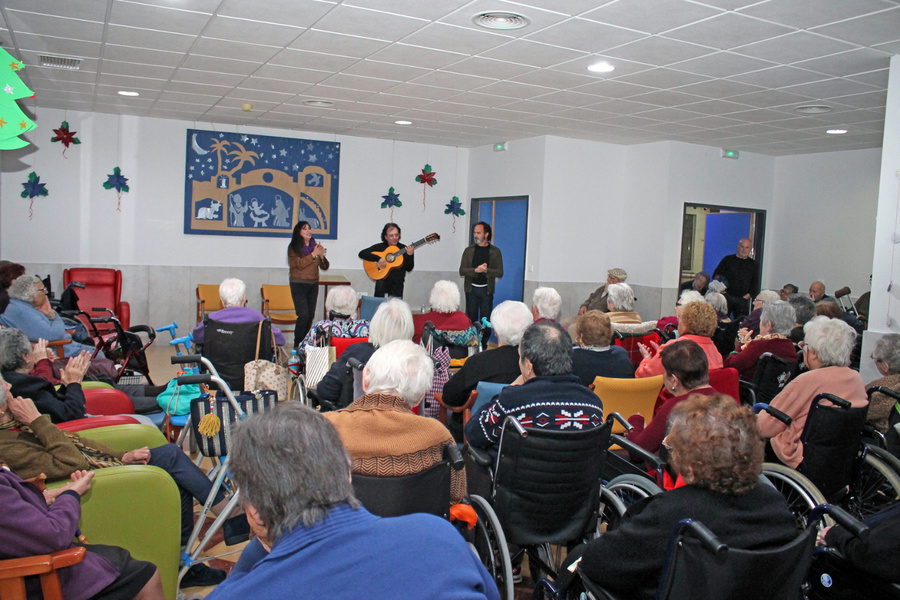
[817, 291]
[744, 248]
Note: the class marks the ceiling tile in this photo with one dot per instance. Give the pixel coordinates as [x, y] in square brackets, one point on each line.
[848, 63]
[362, 22]
[776, 77]
[454, 39]
[415, 56]
[252, 52]
[126, 68]
[532, 53]
[219, 65]
[726, 31]
[651, 16]
[311, 60]
[485, 67]
[412, 8]
[89, 10]
[794, 47]
[658, 51]
[58, 46]
[297, 13]
[159, 18]
[73, 29]
[804, 16]
[722, 64]
[146, 38]
[662, 78]
[141, 55]
[865, 31]
[252, 32]
[584, 35]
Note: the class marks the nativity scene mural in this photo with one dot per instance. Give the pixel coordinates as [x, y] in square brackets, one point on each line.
[259, 185]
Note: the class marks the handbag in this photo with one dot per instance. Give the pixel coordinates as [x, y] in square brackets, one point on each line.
[318, 360]
[262, 374]
[441, 357]
[176, 399]
[215, 442]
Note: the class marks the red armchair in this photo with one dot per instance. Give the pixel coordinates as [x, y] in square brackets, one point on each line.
[102, 289]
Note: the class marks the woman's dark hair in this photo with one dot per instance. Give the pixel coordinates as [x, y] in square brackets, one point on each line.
[297, 242]
[715, 441]
[9, 273]
[384, 231]
[687, 361]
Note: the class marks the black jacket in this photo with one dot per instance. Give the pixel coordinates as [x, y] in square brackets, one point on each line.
[65, 404]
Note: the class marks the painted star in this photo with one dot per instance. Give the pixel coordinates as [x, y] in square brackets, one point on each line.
[254, 142]
[197, 160]
[283, 152]
[192, 167]
[2, 121]
[15, 66]
[209, 160]
[330, 155]
[8, 89]
[190, 176]
[295, 167]
[313, 158]
[23, 125]
[310, 147]
[244, 138]
[274, 157]
[221, 135]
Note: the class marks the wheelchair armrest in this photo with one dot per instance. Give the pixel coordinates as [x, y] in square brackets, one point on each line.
[455, 457]
[480, 456]
[757, 408]
[637, 453]
[621, 420]
[702, 533]
[883, 390]
[856, 527]
[143, 329]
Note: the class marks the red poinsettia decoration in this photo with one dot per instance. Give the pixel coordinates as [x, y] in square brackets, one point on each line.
[429, 179]
[65, 136]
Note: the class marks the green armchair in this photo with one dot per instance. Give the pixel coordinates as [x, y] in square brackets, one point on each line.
[134, 506]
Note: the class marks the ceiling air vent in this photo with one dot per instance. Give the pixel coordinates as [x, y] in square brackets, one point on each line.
[501, 20]
[813, 109]
[60, 62]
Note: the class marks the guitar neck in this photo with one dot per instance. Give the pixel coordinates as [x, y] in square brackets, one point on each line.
[421, 242]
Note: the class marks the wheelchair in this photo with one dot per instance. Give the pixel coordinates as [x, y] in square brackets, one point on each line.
[698, 566]
[230, 346]
[125, 347]
[838, 466]
[545, 489]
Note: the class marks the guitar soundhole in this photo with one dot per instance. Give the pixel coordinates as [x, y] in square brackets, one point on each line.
[389, 258]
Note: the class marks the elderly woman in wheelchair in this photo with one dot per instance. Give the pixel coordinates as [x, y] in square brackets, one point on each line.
[826, 351]
[713, 443]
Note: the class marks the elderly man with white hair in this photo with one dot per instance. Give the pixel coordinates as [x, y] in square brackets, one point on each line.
[233, 293]
[30, 312]
[379, 430]
[342, 322]
[509, 320]
[546, 304]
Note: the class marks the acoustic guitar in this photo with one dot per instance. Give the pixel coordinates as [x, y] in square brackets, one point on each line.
[394, 257]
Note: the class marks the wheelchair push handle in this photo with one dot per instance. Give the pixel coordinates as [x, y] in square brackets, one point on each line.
[355, 364]
[706, 537]
[883, 390]
[760, 407]
[171, 328]
[856, 527]
[188, 379]
[103, 309]
[622, 421]
[185, 359]
[835, 400]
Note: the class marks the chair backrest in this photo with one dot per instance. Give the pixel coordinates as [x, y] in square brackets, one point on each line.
[278, 305]
[107, 402]
[695, 571]
[547, 482]
[102, 289]
[771, 375]
[208, 300]
[725, 335]
[427, 491]
[486, 393]
[367, 307]
[230, 346]
[95, 422]
[630, 342]
[340, 344]
[352, 385]
[628, 396]
[832, 438]
[726, 381]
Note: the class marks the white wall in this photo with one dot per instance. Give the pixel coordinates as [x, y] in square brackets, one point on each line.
[78, 224]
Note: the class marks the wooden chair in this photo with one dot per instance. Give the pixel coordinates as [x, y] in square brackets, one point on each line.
[14, 570]
[57, 345]
[278, 305]
[628, 396]
[207, 300]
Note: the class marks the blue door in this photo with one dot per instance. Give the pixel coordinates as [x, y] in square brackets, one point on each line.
[723, 231]
[509, 219]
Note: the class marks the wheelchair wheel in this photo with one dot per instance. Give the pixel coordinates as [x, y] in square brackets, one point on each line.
[801, 494]
[490, 546]
[630, 488]
[611, 511]
[878, 487]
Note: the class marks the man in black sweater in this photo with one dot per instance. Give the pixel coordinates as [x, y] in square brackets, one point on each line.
[741, 276]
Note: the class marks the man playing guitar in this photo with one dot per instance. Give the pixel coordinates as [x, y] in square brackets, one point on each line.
[392, 284]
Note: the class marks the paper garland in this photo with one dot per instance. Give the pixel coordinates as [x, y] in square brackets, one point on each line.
[65, 136]
[427, 179]
[116, 180]
[33, 189]
[390, 201]
[454, 207]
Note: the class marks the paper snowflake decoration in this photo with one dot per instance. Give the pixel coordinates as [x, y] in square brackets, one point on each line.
[428, 179]
[33, 189]
[454, 207]
[117, 181]
[65, 136]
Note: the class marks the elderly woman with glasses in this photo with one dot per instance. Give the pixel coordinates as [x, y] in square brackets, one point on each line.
[887, 360]
[30, 311]
[826, 352]
[714, 445]
[775, 324]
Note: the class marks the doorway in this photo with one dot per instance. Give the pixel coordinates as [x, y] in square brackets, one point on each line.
[508, 217]
[710, 232]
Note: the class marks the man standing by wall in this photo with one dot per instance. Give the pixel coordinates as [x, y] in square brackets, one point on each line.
[741, 275]
[481, 266]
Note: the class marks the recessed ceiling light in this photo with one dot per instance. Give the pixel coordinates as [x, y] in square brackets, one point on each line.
[319, 103]
[601, 67]
[127, 93]
[813, 109]
[836, 131]
[402, 122]
[501, 20]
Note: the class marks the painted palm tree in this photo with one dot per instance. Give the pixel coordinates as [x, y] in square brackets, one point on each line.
[219, 146]
[242, 156]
